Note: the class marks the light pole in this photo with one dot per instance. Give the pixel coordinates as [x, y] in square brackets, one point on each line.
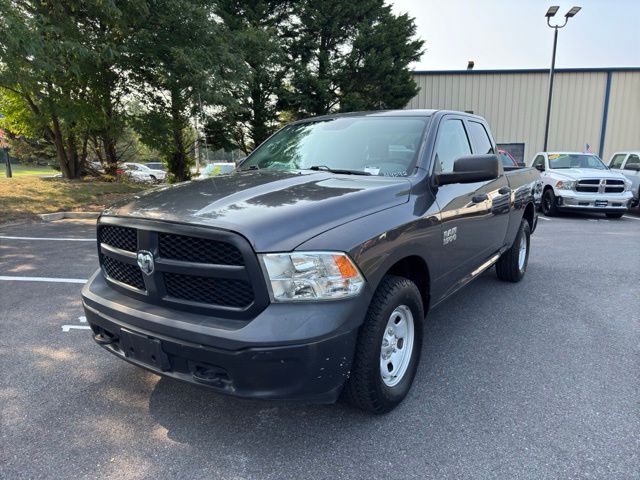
[551, 13]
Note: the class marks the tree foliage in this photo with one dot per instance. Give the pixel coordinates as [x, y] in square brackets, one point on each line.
[259, 31]
[70, 69]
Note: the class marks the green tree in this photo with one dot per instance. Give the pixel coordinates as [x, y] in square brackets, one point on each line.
[39, 65]
[182, 59]
[62, 59]
[376, 71]
[350, 55]
[259, 31]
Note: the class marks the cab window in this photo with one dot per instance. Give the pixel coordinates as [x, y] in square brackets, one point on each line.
[616, 161]
[633, 160]
[480, 139]
[452, 144]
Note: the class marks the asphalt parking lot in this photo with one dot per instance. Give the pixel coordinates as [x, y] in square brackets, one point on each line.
[539, 379]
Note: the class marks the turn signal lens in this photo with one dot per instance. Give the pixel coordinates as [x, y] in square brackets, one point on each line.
[347, 269]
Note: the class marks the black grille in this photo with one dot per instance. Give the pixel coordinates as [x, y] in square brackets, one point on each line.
[614, 186]
[199, 250]
[196, 269]
[218, 291]
[119, 237]
[587, 188]
[123, 272]
[592, 185]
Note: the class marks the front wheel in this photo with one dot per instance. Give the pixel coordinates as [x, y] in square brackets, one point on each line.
[512, 264]
[388, 347]
[549, 203]
[614, 215]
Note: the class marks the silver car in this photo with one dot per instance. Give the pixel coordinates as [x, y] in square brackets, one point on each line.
[628, 163]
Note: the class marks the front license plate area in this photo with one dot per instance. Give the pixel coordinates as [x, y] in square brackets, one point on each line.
[143, 349]
[600, 203]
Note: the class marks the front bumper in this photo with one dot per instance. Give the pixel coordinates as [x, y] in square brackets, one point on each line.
[570, 200]
[289, 351]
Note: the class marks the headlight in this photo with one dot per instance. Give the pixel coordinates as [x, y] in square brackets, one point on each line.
[627, 185]
[565, 185]
[311, 276]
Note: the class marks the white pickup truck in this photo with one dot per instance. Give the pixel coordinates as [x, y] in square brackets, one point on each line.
[580, 181]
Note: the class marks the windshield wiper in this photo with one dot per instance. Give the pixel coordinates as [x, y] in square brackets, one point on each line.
[324, 168]
[250, 167]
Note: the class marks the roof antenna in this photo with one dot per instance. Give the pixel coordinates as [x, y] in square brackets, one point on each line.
[470, 65]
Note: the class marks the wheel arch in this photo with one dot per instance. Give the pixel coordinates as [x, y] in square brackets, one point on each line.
[530, 215]
[414, 268]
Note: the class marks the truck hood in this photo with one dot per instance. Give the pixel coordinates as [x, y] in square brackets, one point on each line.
[578, 173]
[274, 210]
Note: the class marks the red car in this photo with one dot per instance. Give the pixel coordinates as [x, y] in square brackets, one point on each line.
[507, 159]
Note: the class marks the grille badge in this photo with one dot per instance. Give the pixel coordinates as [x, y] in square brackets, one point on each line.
[145, 262]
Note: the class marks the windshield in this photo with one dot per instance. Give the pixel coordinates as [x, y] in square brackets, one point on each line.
[575, 160]
[385, 146]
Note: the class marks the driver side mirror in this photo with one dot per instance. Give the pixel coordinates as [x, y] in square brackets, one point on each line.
[633, 166]
[471, 169]
[539, 167]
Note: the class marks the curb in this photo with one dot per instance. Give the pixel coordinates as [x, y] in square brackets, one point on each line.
[50, 217]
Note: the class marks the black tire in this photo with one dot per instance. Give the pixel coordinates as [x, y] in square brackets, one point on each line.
[548, 205]
[365, 388]
[614, 215]
[508, 267]
[153, 179]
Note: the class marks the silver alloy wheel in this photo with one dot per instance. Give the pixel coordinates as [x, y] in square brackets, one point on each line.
[397, 346]
[522, 253]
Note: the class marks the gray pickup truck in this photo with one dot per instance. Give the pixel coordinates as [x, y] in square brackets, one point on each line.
[307, 273]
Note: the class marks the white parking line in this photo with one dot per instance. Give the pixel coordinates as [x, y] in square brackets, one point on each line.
[544, 218]
[66, 328]
[7, 278]
[54, 239]
[632, 218]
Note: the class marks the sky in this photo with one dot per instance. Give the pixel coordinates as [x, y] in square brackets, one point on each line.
[502, 34]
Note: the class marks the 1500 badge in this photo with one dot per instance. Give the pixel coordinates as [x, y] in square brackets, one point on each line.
[449, 235]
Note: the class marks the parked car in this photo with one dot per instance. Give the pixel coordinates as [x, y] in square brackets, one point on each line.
[156, 166]
[217, 168]
[308, 272]
[628, 163]
[142, 173]
[575, 181]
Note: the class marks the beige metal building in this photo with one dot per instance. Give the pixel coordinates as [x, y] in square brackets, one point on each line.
[595, 106]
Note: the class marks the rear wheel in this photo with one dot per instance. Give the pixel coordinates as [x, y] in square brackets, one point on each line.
[388, 348]
[549, 203]
[614, 215]
[512, 264]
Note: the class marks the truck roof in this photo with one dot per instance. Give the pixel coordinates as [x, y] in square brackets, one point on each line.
[387, 113]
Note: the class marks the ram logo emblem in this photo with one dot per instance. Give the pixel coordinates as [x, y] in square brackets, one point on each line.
[145, 262]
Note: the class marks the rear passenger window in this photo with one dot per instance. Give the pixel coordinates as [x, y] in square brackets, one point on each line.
[616, 161]
[633, 160]
[452, 144]
[480, 139]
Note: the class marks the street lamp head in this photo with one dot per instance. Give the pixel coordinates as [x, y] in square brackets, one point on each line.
[572, 12]
[552, 11]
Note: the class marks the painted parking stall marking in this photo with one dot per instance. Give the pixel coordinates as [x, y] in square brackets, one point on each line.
[81, 319]
[52, 239]
[11, 278]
